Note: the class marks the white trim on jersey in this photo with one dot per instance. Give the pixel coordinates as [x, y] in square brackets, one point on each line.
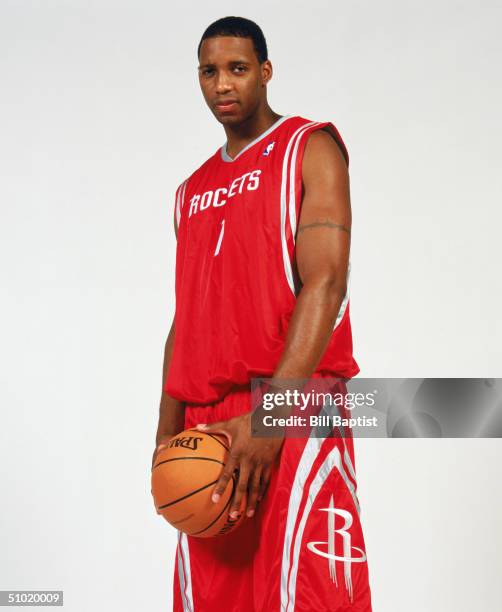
[180, 200]
[184, 573]
[285, 205]
[178, 211]
[226, 157]
[292, 185]
[288, 211]
[183, 194]
[345, 301]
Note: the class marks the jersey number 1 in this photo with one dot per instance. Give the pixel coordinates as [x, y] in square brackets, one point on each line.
[217, 250]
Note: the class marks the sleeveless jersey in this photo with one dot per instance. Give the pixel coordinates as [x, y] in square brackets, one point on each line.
[236, 277]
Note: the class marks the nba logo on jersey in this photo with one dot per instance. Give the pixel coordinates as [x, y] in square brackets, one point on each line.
[269, 148]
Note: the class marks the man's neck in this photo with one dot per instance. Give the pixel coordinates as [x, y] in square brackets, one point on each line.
[240, 136]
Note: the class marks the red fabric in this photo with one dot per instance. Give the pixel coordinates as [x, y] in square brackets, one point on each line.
[255, 569]
[233, 298]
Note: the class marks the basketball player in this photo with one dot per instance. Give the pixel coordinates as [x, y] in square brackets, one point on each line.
[263, 236]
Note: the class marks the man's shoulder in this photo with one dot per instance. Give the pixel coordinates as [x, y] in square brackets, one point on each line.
[324, 138]
[324, 152]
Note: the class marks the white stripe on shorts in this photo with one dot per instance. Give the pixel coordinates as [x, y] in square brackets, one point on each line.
[288, 581]
[309, 455]
[184, 573]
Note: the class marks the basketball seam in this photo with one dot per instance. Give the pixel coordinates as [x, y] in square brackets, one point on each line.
[189, 495]
[220, 514]
[214, 438]
[183, 459]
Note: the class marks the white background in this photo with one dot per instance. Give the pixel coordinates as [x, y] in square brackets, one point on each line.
[101, 119]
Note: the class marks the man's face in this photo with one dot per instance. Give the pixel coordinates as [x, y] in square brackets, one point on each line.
[231, 78]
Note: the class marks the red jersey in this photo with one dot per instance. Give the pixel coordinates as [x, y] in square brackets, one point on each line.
[236, 277]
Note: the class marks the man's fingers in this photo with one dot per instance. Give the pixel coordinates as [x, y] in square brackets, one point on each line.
[253, 490]
[225, 477]
[265, 479]
[240, 490]
[156, 452]
[210, 427]
[159, 448]
[163, 443]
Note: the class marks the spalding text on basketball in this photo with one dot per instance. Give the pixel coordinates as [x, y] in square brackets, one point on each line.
[186, 442]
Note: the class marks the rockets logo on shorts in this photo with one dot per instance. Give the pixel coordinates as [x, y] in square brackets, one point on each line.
[327, 548]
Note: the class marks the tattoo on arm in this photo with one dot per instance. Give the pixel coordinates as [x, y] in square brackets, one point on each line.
[326, 223]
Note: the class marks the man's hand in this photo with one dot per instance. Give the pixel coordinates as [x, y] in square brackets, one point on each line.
[161, 443]
[253, 457]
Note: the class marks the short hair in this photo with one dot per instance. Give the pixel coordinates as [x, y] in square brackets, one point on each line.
[239, 27]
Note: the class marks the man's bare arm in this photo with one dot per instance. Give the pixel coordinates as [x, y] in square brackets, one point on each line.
[171, 410]
[322, 255]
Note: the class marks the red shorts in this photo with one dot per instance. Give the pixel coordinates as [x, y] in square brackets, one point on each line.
[302, 551]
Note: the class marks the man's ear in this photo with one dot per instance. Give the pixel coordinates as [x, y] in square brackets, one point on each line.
[266, 72]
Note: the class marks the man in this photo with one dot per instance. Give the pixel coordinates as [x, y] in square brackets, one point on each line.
[263, 231]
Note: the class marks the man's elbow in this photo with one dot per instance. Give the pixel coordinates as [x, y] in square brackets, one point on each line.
[332, 285]
[337, 289]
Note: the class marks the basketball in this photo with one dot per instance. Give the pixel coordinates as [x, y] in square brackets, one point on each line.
[183, 479]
